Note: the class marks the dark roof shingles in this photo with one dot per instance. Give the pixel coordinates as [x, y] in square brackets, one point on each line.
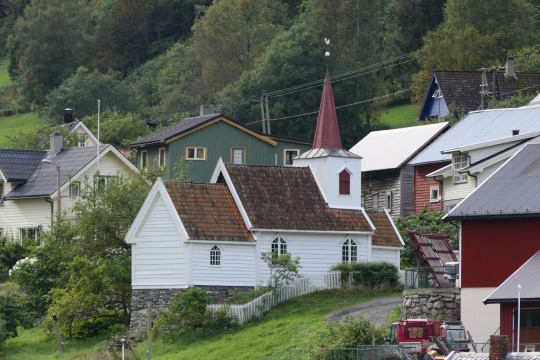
[208, 211]
[288, 198]
[18, 165]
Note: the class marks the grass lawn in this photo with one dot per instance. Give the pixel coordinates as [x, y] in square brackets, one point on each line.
[399, 116]
[292, 325]
[4, 75]
[16, 123]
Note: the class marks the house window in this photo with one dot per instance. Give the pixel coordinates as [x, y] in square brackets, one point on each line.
[459, 162]
[162, 157]
[433, 194]
[75, 188]
[344, 183]
[349, 251]
[195, 153]
[102, 181]
[389, 199]
[289, 155]
[238, 156]
[144, 159]
[375, 202]
[279, 246]
[215, 256]
[29, 235]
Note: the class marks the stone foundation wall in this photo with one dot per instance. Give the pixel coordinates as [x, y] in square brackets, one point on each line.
[161, 299]
[433, 304]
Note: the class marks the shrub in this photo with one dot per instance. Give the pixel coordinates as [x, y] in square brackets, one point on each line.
[95, 327]
[371, 275]
[243, 297]
[188, 314]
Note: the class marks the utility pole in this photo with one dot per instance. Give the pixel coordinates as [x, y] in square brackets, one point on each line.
[267, 116]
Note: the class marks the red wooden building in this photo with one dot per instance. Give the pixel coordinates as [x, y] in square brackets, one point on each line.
[424, 188]
[499, 232]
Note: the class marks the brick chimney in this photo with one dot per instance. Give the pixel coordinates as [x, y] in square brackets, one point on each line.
[499, 346]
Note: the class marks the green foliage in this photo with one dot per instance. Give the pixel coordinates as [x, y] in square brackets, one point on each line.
[283, 268]
[11, 252]
[514, 101]
[38, 138]
[528, 59]
[370, 275]
[15, 311]
[427, 221]
[188, 314]
[351, 333]
[83, 89]
[47, 44]
[243, 297]
[117, 129]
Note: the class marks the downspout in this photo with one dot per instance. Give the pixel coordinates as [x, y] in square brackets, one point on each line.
[436, 178]
[49, 200]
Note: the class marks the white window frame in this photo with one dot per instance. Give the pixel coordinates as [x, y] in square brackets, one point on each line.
[23, 233]
[432, 190]
[242, 152]
[196, 153]
[349, 251]
[160, 157]
[144, 159]
[287, 157]
[458, 163]
[279, 246]
[101, 181]
[215, 256]
[75, 188]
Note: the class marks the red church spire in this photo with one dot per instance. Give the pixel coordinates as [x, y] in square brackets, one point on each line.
[327, 132]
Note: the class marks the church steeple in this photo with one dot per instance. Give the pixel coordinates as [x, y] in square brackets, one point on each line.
[327, 131]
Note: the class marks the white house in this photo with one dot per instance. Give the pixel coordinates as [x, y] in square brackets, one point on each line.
[212, 235]
[86, 137]
[29, 181]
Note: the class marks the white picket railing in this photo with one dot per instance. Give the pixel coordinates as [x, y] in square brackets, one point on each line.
[263, 303]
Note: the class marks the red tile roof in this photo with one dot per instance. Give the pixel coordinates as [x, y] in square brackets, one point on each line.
[327, 131]
[208, 211]
[385, 235]
[288, 198]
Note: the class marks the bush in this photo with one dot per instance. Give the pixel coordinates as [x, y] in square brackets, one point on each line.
[371, 275]
[243, 297]
[188, 314]
[95, 327]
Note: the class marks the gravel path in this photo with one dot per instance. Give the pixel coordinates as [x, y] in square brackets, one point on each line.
[376, 310]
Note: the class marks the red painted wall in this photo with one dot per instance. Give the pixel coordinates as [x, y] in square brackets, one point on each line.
[491, 250]
[532, 335]
[422, 185]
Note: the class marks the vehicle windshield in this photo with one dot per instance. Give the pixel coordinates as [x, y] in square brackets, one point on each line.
[455, 334]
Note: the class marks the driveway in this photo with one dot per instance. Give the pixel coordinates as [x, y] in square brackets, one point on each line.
[376, 310]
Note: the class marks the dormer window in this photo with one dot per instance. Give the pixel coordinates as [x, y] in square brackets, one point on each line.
[460, 162]
[344, 183]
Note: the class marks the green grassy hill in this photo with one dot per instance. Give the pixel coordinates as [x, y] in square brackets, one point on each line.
[399, 116]
[17, 123]
[295, 324]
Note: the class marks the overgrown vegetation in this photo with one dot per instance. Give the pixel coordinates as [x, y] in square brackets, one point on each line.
[283, 268]
[370, 275]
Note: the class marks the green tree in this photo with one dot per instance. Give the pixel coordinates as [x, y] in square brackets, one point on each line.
[38, 138]
[47, 45]
[283, 268]
[230, 35]
[83, 89]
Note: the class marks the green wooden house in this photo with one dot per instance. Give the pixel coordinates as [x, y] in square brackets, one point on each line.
[202, 140]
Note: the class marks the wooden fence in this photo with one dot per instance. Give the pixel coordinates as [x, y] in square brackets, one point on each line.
[302, 286]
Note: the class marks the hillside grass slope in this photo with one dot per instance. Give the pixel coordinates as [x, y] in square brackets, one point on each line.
[295, 324]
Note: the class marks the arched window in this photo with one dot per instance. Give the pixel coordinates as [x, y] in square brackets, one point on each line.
[279, 246]
[349, 251]
[215, 256]
[344, 183]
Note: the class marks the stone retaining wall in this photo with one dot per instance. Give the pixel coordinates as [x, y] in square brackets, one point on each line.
[161, 299]
[435, 304]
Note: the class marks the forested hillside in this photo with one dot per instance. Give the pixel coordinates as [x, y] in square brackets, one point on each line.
[153, 62]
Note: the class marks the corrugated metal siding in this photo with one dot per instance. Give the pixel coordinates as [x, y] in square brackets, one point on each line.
[492, 250]
[406, 191]
[422, 187]
[219, 139]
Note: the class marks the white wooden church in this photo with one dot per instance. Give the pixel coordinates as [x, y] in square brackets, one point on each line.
[212, 234]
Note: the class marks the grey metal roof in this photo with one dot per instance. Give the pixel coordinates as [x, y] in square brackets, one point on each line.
[485, 356]
[330, 152]
[70, 126]
[513, 190]
[480, 126]
[173, 130]
[18, 165]
[527, 277]
[390, 149]
[42, 182]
